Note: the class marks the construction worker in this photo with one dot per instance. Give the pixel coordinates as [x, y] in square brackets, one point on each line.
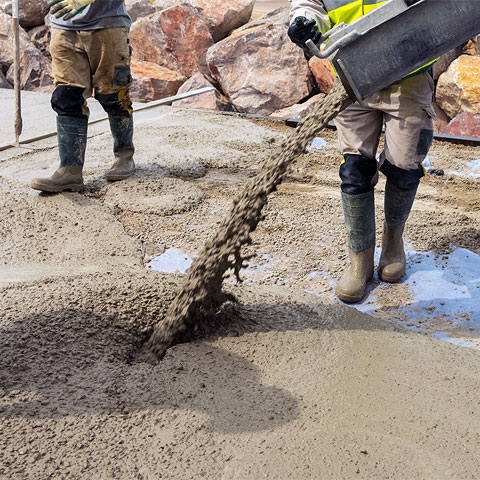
[90, 53]
[405, 109]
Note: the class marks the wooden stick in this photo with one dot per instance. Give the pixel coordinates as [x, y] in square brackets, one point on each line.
[18, 92]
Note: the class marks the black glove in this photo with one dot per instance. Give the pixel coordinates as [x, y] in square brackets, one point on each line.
[302, 30]
[410, 2]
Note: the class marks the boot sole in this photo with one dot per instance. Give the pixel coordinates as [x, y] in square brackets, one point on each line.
[118, 178]
[71, 188]
[353, 298]
[387, 279]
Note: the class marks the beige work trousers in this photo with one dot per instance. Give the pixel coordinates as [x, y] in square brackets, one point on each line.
[405, 109]
[93, 60]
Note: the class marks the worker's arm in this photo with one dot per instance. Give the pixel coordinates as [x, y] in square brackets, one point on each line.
[67, 8]
[312, 10]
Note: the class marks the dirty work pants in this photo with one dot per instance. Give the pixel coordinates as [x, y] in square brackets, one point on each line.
[91, 61]
[405, 109]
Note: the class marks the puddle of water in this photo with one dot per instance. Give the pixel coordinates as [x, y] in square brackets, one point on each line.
[446, 286]
[172, 260]
[455, 341]
[473, 166]
[316, 144]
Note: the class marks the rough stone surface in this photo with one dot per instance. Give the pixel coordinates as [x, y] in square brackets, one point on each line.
[3, 81]
[458, 89]
[139, 8]
[442, 64]
[323, 74]
[152, 82]
[442, 119]
[175, 38]
[40, 36]
[300, 110]
[207, 101]
[473, 46]
[223, 16]
[466, 124]
[36, 70]
[31, 12]
[259, 68]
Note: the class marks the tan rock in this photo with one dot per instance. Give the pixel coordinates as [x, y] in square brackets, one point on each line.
[152, 82]
[442, 119]
[322, 73]
[300, 110]
[36, 70]
[442, 64]
[259, 68]
[458, 89]
[206, 101]
[223, 16]
[473, 46]
[31, 12]
[175, 38]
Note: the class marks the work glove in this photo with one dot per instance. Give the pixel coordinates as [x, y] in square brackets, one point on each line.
[67, 8]
[302, 30]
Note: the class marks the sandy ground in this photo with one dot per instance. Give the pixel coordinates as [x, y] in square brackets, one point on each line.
[298, 386]
[264, 6]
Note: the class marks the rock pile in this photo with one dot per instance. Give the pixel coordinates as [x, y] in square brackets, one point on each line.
[179, 46]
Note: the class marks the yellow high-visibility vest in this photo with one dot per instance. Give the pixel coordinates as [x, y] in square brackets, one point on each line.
[347, 11]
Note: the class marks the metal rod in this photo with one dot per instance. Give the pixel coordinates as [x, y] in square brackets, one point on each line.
[17, 86]
[147, 106]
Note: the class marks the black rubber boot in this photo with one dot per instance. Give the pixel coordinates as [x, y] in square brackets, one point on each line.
[398, 204]
[72, 143]
[359, 211]
[122, 131]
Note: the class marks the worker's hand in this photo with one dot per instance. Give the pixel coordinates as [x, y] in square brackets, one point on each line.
[302, 30]
[410, 2]
[67, 8]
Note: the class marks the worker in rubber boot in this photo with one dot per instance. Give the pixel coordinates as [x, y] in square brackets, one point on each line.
[91, 54]
[405, 109]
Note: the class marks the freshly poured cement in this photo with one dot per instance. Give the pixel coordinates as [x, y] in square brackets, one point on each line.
[292, 386]
[201, 294]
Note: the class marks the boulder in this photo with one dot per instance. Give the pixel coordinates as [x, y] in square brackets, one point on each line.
[458, 89]
[40, 37]
[441, 120]
[259, 68]
[3, 81]
[442, 64]
[206, 101]
[139, 8]
[322, 73]
[223, 16]
[175, 38]
[30, 12]
[36, 70]
[152, 82]
[300, 110]
[466, 125]
[473, 46]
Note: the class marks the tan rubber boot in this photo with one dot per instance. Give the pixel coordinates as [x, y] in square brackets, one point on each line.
[351, 287]
[123, 167]
[398, 204]
[359, 213]
[64, 178]
[392, 261]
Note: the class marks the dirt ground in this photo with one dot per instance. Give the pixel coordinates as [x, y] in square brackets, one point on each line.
[297, 386]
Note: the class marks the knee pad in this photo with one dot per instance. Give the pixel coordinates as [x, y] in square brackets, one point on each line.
[357, 173]
[68, 101]
[116, 104]
[403, 179]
